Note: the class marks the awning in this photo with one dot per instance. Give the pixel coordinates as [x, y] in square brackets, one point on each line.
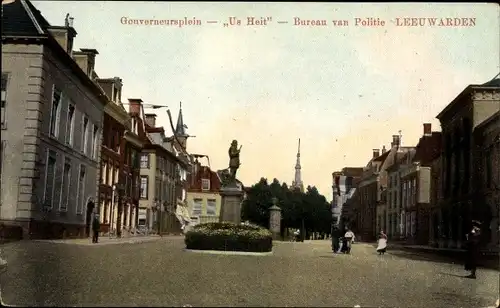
[182, 213]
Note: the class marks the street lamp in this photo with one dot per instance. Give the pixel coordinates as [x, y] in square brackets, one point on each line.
[152, 106]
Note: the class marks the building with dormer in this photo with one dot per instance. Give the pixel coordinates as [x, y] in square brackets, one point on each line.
[372, 189]
[52, 121]
[160, 178]
[203, 198]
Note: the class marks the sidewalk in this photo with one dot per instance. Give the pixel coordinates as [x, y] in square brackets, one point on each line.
[108, 240]
[490, 259]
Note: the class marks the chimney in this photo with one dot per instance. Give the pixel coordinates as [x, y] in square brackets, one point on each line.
[395, 141]
[134, 106]
[150, 119]
[85, 58]
[64, 35]
[427, 129]
[376, 153]
[383, 149]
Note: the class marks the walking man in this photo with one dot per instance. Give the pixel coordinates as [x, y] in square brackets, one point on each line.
[473, 249]
[95, 229]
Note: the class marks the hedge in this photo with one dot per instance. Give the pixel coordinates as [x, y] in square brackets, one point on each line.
[229, 237]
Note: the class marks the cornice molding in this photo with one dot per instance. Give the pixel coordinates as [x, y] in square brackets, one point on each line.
[485, 95]
[117, 113]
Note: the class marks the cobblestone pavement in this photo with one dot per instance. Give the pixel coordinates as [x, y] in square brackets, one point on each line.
[161, 273]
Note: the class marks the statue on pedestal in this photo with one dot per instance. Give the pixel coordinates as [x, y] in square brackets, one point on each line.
[231, 192]
[234, 160]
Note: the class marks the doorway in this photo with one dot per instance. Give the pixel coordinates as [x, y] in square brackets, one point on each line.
[88, 218]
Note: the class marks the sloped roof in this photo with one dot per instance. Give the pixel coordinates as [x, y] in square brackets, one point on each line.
[428, 148]
[382, 157]
[21, 18]
[407, 157]
[352, 171]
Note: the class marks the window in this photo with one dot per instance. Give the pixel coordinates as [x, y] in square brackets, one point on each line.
[133, 125]
[81, 190]
[109, 174]
[103, 172]
[158, 188]
[137, 187]
[145, 161]
[50, 170]
[95, 142]
[117, 174]
[55, 112]
[205, 184]
[144, 186]
[414, 189]
[63, 205]
[85, 134]
[134, 159]
[197, 205]
[115, 94]
[5, 78]
[70, 125]
[211, 207]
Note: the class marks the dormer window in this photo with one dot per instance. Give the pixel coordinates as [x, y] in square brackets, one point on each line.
[115, 94]
[205, 184]
[134, 125]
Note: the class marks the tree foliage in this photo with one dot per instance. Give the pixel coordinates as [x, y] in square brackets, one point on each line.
[309, 208]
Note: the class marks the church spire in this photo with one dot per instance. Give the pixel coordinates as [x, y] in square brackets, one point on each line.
[180, 128]
[297, 182]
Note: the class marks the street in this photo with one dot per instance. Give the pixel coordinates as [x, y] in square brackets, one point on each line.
[161, 273]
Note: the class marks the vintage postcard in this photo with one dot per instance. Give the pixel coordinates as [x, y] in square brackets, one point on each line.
[229, 154]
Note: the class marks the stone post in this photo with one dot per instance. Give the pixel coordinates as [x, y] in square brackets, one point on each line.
[275, 219]
[232, 197]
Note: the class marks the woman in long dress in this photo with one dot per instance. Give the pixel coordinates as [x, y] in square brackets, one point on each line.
[382, 243]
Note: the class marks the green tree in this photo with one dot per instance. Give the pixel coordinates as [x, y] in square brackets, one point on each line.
[309, 209]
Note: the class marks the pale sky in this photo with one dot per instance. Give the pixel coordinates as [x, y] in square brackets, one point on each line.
[343, 91]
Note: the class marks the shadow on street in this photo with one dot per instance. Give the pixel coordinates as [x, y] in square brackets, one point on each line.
[490, 263]
[454, 275]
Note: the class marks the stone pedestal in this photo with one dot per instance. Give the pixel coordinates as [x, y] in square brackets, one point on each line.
[232, 197]
[275, 220]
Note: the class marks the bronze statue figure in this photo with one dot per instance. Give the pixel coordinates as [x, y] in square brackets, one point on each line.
[234, 159]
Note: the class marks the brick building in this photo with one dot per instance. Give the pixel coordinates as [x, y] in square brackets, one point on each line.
[123, 139]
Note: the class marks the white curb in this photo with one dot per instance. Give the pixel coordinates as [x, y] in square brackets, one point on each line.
[236, 253]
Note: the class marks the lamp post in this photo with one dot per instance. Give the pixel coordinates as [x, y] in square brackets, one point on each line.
[119, 190]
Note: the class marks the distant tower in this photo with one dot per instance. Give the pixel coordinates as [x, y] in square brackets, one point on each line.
[180, 129]
[297, 183]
